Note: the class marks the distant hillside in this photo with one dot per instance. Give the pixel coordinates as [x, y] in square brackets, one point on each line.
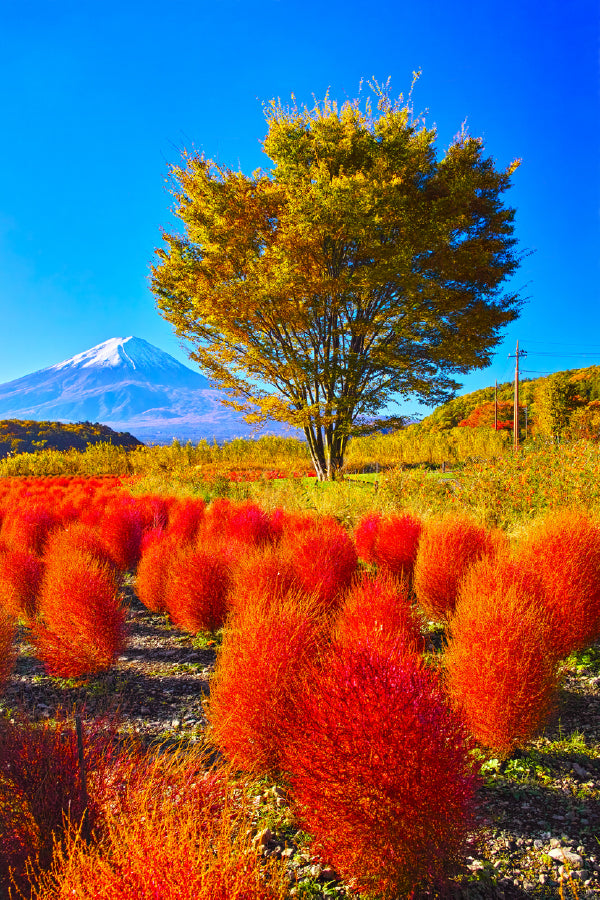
[585, 382]
[27, 436]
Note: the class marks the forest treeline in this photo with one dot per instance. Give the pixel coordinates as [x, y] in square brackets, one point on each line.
[28, 436]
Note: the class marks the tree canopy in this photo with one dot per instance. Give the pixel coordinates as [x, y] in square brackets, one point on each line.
[358, 269]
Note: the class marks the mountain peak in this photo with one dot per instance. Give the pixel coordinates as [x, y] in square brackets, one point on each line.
[121, 352]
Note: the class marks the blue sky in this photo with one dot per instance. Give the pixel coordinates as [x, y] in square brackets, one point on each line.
[99, 97]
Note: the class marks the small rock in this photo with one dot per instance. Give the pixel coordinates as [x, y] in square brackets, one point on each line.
[328, 875]
[542, 879]
[579, 770]
[175, 723]
[262, 838]
[315, 871]
[554, 842]
[538, 844]
[562, 855]
[287, 853]
[474, 865]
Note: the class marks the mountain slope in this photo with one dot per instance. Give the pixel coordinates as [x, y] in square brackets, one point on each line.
[585, 382]
[130, 385]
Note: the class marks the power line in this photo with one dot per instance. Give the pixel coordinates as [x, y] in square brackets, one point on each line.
[566, 353]
[561, 344]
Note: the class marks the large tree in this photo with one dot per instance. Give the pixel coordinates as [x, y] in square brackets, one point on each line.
[359, 268]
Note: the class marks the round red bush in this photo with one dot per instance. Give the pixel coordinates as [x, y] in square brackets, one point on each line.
[380, 770]
[197, 586]
[448, 546]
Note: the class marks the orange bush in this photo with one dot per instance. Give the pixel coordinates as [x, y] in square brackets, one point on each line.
[259, 667]
[82, 620]
[197, 586]
[251, 525]
[323, 557]
[499, 670]
[27, 526]
[563, 549]
[391, 542]
[41, 792]
[447, 548]
[261, 575]
[153, 571]
[380, 771]
[121, 527]
[377, 613]
[185, 519]
[7, 654]
[81, 537]
[175, 839]
[20, 578]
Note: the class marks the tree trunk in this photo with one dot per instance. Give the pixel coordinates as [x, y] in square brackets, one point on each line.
[327, 452]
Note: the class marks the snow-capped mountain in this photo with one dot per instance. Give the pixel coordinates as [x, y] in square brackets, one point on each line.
[130, 385]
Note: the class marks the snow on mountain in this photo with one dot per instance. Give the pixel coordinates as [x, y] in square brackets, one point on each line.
[130, 385]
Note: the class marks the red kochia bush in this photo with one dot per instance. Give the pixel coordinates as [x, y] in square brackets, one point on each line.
[27, 527]
[175, 838]
[380, 771]
[185, 519]
[391, 542]
[153, 571]
[251, 525]
[323, 558]
[82, 628]
[7, 655]
[121, 527]
[262, 575]
[20, 578]
[447, 548]
[563, 550]
[377, 613]
[197, 586]
[81, 537]
[265, 649]
[500, 671]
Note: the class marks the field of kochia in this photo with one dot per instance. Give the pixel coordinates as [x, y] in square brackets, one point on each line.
[376, 647]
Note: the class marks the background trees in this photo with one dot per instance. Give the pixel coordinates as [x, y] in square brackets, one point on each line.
[359, 267]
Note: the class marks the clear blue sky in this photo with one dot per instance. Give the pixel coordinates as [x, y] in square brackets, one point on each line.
[98, 98]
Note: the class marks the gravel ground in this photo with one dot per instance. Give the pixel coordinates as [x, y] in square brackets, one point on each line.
[540, 834]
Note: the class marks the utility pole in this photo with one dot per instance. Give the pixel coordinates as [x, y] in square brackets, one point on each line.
[496, 406]
[518, 354]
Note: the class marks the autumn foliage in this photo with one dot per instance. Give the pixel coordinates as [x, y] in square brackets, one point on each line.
[391, 542]
[82, 622]
[153, 571]
[447, 548]
[265, 648]
[323, 557]
[500, 671]
[20, 579]
[7, 656]
[197, 585]
[178, 832]
[41, 792]
[380, 771]
[563, 551]
[377, 613]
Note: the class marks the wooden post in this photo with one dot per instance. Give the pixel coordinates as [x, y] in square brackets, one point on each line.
[516, 404]
[496, 406]
[85, 825]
